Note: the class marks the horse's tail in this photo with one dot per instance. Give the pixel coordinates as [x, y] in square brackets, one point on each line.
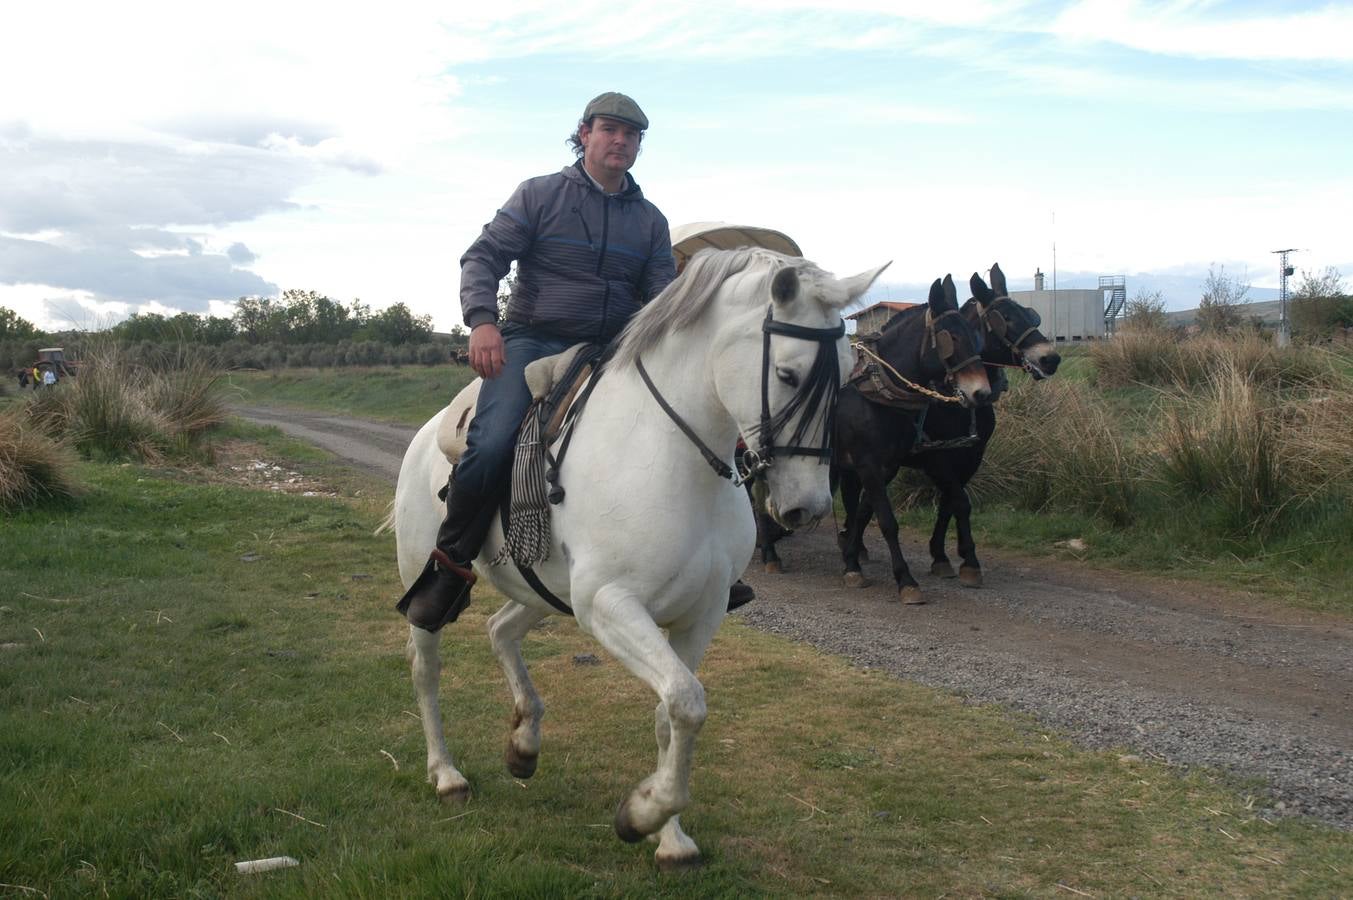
[388, 523]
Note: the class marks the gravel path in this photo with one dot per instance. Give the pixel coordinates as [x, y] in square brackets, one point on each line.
[1194, 675]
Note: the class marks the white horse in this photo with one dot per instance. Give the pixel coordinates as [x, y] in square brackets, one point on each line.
[650, 536]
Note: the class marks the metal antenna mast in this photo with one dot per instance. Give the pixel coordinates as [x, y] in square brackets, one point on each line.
[1284, 330]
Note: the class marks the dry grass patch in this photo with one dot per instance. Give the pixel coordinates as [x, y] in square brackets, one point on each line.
[33, 466]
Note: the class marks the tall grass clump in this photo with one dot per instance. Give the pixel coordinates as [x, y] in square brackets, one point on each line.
[118, 408]
[1255, 453]
[33, 466]
[1055, 446]
[1156, 357]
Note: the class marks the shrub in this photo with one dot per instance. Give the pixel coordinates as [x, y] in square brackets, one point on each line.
[1055, 446]
[1256, 452]
[1158, 358]
[33, 466]
[118, 408]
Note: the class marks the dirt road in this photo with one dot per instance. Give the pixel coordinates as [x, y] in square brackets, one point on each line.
[1182, 672]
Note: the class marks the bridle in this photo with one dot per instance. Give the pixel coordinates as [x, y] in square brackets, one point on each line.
[997, 325]
[942, 342]
[821, 385]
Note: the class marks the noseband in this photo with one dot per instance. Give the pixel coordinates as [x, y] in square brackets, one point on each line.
[822, 383]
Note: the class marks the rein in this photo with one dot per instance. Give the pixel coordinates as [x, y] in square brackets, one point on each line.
[822, 381]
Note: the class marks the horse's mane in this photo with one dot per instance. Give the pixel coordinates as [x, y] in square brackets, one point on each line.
[686, 299]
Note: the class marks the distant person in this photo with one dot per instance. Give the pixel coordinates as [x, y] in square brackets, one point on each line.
[23, 378]
[49, 378]
[37, 378]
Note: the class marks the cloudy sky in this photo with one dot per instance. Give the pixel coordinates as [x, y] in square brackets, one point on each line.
[165, 157]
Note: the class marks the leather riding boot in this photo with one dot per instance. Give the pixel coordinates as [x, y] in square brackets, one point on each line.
[740, 594]
[441, 592]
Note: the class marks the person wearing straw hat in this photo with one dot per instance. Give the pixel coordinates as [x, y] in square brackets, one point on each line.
[590, 250]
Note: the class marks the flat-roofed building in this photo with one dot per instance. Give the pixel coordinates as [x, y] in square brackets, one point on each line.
[873, 318]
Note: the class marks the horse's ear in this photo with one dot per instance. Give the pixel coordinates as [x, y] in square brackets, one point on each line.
[856, 285]
[980, 292]
[998, 280]
[784, 287]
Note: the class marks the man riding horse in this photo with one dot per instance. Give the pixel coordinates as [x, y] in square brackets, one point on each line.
[590, 252]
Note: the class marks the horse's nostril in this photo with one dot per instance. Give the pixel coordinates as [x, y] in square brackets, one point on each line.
[1050, 363]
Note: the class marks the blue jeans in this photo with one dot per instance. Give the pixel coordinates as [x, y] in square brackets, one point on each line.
[503, 402]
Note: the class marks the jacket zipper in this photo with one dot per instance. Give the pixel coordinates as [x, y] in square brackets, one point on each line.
[601, 259]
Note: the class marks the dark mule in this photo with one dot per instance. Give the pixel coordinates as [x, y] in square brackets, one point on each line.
[948, 444]
[878, 419]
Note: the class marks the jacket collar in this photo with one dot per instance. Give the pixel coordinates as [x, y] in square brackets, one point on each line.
[576, 173]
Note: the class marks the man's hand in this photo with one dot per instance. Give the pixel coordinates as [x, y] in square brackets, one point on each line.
[486, 350]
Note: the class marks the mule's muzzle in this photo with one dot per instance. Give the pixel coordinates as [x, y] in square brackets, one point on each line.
[1041, 361]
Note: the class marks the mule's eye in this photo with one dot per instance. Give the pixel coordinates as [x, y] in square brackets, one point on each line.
[787, 376]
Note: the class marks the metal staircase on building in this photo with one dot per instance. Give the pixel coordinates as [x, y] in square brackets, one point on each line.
[1113, 310]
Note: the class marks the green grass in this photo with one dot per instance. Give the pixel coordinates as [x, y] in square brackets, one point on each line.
[187, 664]
[409, 395]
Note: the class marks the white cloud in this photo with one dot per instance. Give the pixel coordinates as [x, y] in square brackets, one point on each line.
[1207, 30]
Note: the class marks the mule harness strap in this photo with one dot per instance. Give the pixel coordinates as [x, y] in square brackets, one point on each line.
[932, 333]
[1014, 345]
[863, 349]
[922, 444]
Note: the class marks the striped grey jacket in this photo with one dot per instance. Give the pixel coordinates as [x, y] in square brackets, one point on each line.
[586, 261]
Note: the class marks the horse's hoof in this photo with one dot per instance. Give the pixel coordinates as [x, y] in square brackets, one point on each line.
[941, 569]
[911, 595]
[854, 580]
[519, 764]
[774, 568]
[682, 862]
[453, 794]
[624, 826]
[970, 577]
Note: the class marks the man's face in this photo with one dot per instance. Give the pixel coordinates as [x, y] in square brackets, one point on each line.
[609, 145]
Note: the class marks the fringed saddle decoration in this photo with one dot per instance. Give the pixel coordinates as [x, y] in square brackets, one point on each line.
[555, 382]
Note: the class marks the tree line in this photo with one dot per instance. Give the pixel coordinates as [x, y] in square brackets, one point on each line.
[1319, 308]
[300, 328]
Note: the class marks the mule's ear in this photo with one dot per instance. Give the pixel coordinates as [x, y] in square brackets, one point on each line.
[784, 287]
[857, 284]
[936, 299]
[950, 293]
[998, 280]
[980, 292]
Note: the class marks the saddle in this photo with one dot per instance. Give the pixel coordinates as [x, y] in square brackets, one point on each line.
[544, 377]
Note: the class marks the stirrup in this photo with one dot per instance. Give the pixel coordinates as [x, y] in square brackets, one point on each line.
[740, 594]
[439, 594]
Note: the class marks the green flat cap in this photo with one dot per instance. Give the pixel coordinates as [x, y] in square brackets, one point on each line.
[616, 106]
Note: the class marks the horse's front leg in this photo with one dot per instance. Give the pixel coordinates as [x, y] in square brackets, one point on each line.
[624, 627]
[970, 572]
[507, 627]
[675, 848]
[426, 663]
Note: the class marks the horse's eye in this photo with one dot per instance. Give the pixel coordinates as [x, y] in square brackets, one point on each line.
[787, 376]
